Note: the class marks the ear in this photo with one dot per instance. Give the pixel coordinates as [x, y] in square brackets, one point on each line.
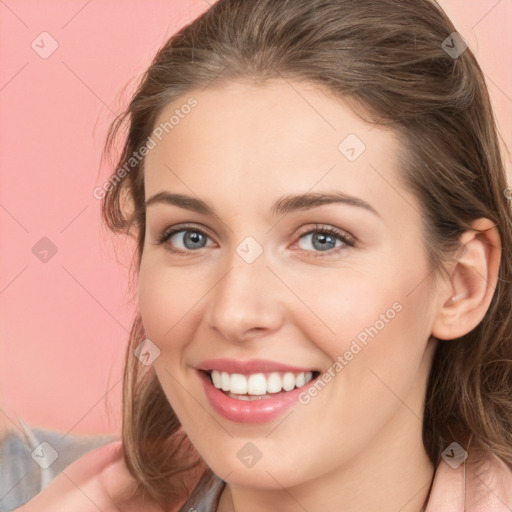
[465, 299]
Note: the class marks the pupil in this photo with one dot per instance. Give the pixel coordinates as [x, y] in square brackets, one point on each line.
[323, 239]
[194, 238]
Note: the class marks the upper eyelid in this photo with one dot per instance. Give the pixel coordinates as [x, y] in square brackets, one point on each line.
[179, 228]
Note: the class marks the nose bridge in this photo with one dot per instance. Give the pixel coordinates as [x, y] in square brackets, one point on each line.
[246, 297]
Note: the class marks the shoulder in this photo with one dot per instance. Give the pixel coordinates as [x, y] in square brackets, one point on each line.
[490, 481]
[482, 482]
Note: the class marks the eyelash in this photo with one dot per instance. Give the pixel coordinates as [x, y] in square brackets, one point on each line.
[344, 237]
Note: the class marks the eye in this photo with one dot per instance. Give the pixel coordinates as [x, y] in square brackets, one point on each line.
[325, 239]
[183, 238]
[322, 239]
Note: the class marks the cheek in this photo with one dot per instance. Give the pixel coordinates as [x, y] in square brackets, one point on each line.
[169, 308]
[377, 319]
[157, 303]
[168, 298]
[342, 307]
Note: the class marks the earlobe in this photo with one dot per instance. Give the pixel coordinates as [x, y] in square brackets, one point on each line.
[473, 279]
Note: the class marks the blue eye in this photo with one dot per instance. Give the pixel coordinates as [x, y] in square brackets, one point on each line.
[190, 239]
[322, 239]
[326, 239]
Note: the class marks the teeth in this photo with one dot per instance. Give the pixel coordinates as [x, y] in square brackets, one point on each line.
[258, 384]
[300, 380]
[217, 379]
[225, 381]
[238, 384]
[288, 381]
[274, 383]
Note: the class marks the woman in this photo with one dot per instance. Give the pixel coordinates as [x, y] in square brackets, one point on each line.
[323, 261]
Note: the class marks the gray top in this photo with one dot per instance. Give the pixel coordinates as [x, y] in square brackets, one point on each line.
[30, 459]
[208, 500]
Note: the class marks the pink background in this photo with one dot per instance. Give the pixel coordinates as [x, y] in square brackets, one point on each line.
[65, 322]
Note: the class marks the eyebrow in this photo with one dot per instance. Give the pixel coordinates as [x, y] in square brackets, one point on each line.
[282, 206]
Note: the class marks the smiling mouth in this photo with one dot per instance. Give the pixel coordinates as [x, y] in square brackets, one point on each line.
[258, 386]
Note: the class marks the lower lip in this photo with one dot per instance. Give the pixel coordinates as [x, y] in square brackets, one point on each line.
[250, 411]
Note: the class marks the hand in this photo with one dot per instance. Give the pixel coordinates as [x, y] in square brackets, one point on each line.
[97, 481]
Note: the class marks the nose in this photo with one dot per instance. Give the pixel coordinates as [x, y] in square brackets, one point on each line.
[246, 302]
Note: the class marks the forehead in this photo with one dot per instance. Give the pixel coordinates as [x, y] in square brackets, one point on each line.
[268, 139]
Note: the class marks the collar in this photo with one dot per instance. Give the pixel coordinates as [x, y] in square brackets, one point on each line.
[483, 483]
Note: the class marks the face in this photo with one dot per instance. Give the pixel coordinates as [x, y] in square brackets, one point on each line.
[244, 288]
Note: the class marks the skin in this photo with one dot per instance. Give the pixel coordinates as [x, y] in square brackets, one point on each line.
[357, 445]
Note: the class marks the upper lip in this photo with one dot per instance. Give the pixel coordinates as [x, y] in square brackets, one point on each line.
[249, 366]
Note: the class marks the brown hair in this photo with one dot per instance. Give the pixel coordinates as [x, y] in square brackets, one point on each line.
[387, 58]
